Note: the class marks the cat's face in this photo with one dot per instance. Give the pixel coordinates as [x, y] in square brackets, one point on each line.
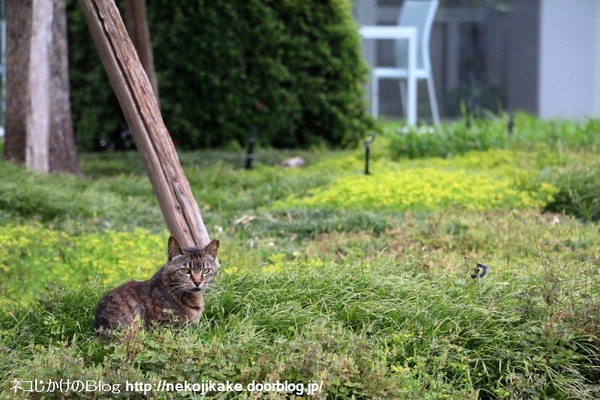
[190, 271]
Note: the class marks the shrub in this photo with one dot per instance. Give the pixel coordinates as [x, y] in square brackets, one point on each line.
[94, 106]
[447, 140]
[291, 69]
[528, 134]
[578, 190]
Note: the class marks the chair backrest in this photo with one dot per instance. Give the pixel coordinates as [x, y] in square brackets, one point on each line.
[420, 14]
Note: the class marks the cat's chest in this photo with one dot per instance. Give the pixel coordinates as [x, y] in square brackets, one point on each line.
[187, 308]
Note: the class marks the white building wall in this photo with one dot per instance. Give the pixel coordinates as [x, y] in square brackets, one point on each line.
[569, 57]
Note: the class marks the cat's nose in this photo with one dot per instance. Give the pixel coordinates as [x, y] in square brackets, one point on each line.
[197, 284]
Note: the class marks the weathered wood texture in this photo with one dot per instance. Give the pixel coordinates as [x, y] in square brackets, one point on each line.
[139, 105]
[136, 22]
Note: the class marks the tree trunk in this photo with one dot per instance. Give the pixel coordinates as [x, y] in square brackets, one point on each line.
[137, 100]
[38, 115]
[18, 44]
[38, 123]
[63, 153]
[136, 21]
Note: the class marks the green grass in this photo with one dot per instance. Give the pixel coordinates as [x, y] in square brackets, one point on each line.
[484, 134]
[370, 300]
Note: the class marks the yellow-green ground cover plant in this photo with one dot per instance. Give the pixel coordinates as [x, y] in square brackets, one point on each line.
[360, 284]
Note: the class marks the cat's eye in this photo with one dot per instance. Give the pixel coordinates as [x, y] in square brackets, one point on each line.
[206, 271]
[186, 271]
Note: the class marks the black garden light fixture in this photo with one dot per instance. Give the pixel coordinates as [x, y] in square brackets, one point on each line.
[250, 149]
[368, 142]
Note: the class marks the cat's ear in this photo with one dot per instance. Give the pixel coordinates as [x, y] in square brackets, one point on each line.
[173, 248]
[211, 248]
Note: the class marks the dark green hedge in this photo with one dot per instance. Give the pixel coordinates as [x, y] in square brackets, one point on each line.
[291, 68]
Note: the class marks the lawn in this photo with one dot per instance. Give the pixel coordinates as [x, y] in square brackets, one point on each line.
[333, 284]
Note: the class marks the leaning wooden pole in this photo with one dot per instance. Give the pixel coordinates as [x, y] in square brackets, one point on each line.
[139, 105]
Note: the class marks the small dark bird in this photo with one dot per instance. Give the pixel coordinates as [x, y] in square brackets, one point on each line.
[477, 273]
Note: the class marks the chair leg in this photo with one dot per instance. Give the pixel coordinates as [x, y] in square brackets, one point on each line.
[402, 84]
[432, 100]
[374, 96]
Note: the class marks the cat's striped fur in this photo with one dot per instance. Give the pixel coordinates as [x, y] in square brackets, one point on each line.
[174, 293]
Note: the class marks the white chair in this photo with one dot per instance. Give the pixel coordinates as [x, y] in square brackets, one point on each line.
[420, 14]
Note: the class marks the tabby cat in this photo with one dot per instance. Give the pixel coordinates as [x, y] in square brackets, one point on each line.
[174, 293]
